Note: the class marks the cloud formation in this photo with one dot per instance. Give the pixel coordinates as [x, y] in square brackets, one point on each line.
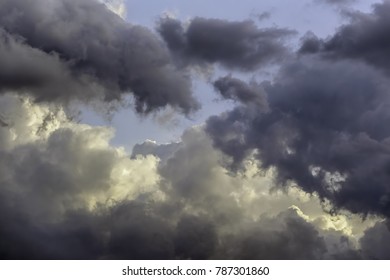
[62, 50]
[364, 38]
[66, 193]
[325, 131]
[237, 45]
[288, 173]
[326, 126]
[237, 90]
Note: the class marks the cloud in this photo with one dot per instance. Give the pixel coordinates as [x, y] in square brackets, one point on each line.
[117, 6]
[66, 193]
[149, 147]
[62, 165]
[60, 181]
[235, 89]
[195, 238]
[363, 38]
[237, 45]
[374, 243]
[63, 50]
[242, 211]
[286, 236]
[287, 174]
[325, 131]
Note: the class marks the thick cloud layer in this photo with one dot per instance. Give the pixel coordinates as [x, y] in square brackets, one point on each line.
[66, 49]
[326, 127]
[67, 194]
[287, 174]
[236, 45]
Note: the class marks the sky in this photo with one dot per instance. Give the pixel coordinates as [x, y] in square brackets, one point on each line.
[191, 130]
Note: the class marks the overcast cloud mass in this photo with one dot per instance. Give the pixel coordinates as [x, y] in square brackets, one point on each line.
[297, 167]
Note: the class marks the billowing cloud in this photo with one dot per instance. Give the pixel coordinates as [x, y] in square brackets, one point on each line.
[288, 173]
[325, 131]
[65, 49]
[287, 236]
[235, 89]
[66, 193]
[236, 45]
[364, 38]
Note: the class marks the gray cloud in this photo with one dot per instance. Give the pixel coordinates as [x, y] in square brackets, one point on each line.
[325, 131]
[364, 38]
[29, 69]
[65, 193]
[286, 236]
[375, 242]
[315, 135]
[235, 89]
[65, 49]
[195, 238]
[239, 45]
[310, 43]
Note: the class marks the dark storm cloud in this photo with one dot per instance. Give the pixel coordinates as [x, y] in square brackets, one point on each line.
[375, 242]
[364, 38]
[24, 238]
[310, 43]
[326, 130]
[235, 89]
[3, 122]
[135, 234]
[195, 238]
[66, 193]
[286, 236]
[240, 45]
[28, 69]
[66, 49]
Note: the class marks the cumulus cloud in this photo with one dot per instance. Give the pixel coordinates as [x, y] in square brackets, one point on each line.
[66, 193]
[325, 130]
[63, 49]
[236, 45]
[288, 173]
[286, 236]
